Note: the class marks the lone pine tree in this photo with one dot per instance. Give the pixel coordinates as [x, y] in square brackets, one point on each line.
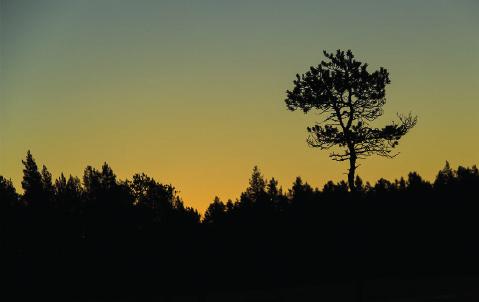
[349, 98]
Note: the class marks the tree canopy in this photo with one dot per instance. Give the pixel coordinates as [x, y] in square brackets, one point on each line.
[348, 97]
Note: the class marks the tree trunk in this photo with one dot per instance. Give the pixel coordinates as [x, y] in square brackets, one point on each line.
[352, 171]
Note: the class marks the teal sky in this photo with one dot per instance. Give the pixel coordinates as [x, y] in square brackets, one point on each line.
[191, 92]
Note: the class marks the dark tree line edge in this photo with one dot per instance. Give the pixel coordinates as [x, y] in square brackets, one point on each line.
[136, 237]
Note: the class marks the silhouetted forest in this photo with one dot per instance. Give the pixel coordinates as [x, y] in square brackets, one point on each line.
[99, 236]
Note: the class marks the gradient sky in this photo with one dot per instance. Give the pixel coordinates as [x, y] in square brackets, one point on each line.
[192, 92]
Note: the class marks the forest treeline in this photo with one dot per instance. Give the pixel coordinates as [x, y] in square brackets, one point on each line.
[109, 237]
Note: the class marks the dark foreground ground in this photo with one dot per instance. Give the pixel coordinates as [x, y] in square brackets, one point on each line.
[433, 289]
[450, 288]
[437, 289]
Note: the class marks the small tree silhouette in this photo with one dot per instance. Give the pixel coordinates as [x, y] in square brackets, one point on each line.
[349, 98]
[216, 212]
[257, 186]
[8, 194]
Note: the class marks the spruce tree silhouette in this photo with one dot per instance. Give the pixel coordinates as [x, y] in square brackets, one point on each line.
[349, 98]
[68, 194]
[32, 183]
[215, 213]
[47, 185]
[257, 186]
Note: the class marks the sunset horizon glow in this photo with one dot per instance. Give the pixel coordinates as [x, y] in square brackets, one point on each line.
[192, 93]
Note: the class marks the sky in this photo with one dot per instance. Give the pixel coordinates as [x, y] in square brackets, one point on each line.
[192, 92]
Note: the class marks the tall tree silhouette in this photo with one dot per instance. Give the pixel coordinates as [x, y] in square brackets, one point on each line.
[32, 182]
[257, 185]
[47, 185]
[444, 177]
[275, 194]
[68, 193]
[349, 98]
[300, 192]
[151, 194]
